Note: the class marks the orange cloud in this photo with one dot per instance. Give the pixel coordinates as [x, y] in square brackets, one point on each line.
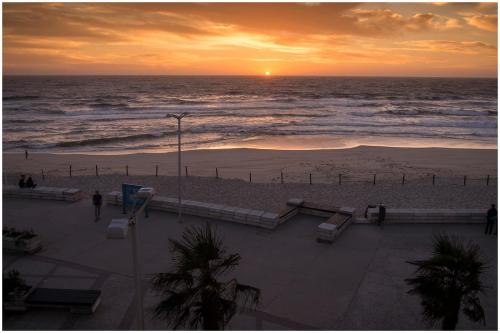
[464, 47]
[244, 38]
[484, 22]
[385, 20]
[426, 21]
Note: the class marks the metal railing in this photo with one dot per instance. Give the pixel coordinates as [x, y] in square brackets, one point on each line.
[279, 176]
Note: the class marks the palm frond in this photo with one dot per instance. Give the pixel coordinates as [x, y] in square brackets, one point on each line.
[176, 307]
[472, 308]
[247, 295]
[224, 264]
[168, 281]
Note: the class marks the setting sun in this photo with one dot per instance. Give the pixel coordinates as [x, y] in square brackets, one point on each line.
[268, 73]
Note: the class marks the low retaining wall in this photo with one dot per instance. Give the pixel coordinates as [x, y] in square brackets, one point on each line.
[43, 192]
[253, 217]
[414, 215]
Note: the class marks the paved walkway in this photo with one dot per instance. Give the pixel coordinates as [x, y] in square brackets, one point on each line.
[355, 283]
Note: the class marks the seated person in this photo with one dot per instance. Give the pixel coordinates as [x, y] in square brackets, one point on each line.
[29, 183]
[22, 183]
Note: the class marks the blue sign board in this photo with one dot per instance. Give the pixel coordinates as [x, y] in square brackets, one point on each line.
[128, 194]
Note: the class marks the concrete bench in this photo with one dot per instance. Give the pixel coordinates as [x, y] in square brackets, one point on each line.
[420, 215]
[338, 217]
[332, 227]
[326, 232]
[117, 229]
[258, 218]
[43, 192]
[311, 208]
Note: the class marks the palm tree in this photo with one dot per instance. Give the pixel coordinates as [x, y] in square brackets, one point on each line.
[449, 281]
[192, 294]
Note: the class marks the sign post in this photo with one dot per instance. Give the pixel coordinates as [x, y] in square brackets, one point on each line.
[137, 196]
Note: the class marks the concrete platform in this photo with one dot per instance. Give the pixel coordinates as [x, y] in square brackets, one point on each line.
[356, 283]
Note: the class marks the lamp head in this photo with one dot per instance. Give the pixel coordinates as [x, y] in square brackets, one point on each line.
[177, 116]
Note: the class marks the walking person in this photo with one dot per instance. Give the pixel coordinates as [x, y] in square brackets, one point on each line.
[97, 201]
[381, 214]
[491, 219]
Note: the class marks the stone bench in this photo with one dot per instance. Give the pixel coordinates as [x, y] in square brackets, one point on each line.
[253, 217]
[420, 215]
[43, 192]
[338, 218]
[76, 300]
[117, 229]
[314, 209]
[334, 226]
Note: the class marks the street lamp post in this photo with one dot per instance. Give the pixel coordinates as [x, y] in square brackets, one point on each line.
[178, 117]
[137, 273]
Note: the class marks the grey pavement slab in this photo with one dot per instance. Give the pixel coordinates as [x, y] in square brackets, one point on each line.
[355, 283]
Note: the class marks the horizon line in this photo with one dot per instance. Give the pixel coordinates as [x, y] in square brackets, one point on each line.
[259, 75]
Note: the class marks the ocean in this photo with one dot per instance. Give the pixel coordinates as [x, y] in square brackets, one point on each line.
[126, 114]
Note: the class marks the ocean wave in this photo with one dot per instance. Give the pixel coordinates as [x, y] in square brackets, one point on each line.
[19, 97]
[438, 112]
[51, 111]
[34, 110]
[420, 123]
[98, 141]
[367, 132]
[25, 121]
[107, 104]
[264, 115]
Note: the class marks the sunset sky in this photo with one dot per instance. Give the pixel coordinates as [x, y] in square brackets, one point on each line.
[388, 39]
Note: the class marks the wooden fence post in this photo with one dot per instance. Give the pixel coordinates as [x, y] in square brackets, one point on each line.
[281, 173]
[340, 179]
[310, 179]
[488, 180]
[250, 177]
[217, 173]
[70, 170]
[465, 180]
[433, 179]
[156, 173]
[403, 179]
[374, 178]
[43, 175]
[96, 172]
[186, 168]
[126, 170]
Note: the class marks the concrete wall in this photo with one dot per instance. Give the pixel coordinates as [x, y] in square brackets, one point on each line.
[418, 215]
[253, 217]
[43, 192]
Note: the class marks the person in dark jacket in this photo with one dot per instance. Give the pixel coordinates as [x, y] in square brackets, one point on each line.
[491, 220]
[30, 183]
[97, 201]
[381, 213]
[22, 182]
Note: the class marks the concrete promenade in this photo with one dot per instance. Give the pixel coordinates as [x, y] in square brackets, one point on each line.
[356, 283]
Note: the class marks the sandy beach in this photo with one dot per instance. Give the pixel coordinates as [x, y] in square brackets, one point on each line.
[266, 164]
[357, 166]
